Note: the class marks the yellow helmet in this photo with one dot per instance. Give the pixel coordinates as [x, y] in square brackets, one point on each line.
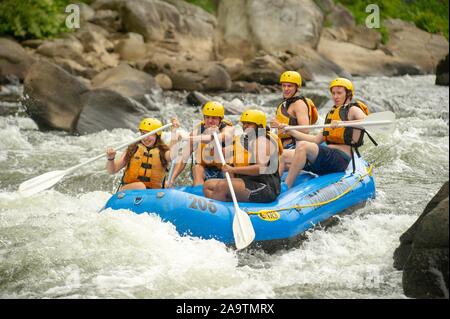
[291, 77]
[254, 116]
[213, 108]
[344, 83]
[149, 124]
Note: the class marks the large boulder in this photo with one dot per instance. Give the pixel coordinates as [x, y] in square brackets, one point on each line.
[110, 20]
[94, 38]
[14, 60]
[106, 109]
[126, 80]
[340, 17]
[52, 96]
[189, 74]
[247, 26]
[130, 83]
[360, 61]
[442, 72]
[188, 25]
[364, 37]
[358, 49]
[132, 48]
[313, 66]
[264, 69]
[88, 48]
[414, 46]
[67, 48]
[423, 253]
[355, 59]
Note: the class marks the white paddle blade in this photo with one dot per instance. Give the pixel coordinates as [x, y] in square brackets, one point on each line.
[380, 122]
[243, 230]
[40, 183]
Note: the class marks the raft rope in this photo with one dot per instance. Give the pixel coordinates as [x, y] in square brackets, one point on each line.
[298, 207]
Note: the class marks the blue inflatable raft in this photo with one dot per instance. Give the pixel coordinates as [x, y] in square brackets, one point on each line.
[312, 200]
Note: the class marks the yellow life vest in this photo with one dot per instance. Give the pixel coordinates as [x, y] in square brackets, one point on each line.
[343, 135]
[241, 154]
[282, 115]
[145, 166]
[205, 155]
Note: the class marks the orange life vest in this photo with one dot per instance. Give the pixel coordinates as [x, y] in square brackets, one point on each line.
[205, 155]
[145, 166]
[343, 135]
[282, 115]
[242, 156]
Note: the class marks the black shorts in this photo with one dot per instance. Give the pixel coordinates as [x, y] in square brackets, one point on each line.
[259, 192]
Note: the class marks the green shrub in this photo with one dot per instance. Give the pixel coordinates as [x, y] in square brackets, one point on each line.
[207, 5]
[428, 15]
[27, 19]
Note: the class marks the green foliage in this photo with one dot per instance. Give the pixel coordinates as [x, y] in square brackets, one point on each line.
[428, 15]
[27, 19]
[207, 5]
[384, 34]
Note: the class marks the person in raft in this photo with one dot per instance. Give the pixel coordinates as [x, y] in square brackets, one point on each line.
[335, 156]
[146, 161]
[295, 109]
[206, 164]
[254, 164]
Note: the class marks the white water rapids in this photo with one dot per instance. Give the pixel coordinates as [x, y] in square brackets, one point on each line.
[57, 245]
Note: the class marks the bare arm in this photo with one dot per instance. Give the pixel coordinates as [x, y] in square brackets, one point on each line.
[187, 149]
[299, 136]
[301, 113]
[356, 114]
[115, 165]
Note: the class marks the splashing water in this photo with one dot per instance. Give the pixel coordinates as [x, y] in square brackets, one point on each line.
[57, 245]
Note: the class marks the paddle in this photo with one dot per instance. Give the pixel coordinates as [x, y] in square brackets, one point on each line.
[175, 160]
[380, 121]
[47, 180]
[243, 230]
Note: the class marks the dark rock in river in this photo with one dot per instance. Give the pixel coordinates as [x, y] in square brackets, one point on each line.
[442, 72]
[423, 252]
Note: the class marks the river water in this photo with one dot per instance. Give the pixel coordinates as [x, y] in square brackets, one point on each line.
[56, 244]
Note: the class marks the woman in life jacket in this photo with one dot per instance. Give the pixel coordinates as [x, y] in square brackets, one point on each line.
[254, 164]
[145, 162]
[335, 156]
[206, 164]
[295, 109]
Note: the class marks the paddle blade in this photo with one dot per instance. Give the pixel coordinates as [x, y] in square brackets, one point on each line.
[380, 122]
[243, 230]
[40, 183]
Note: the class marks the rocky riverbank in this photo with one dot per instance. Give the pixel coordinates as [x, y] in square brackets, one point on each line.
[125, 52]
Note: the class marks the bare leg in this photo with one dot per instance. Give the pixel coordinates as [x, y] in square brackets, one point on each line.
[198, 172]
[304, 150]
[218, 189]
[209, 186]
[286, 160]
[215, 188]
[136, 185]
